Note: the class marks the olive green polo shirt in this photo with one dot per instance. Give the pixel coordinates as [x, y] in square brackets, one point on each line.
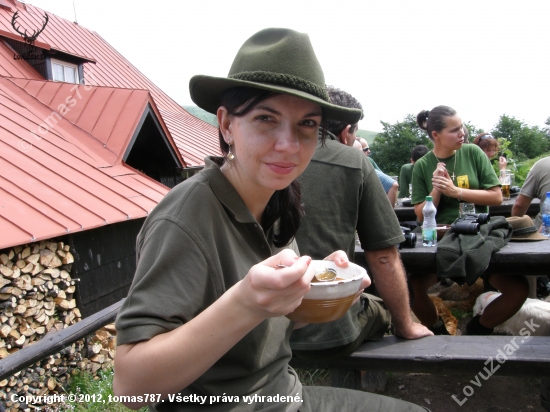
[199, 241]
[341, 194]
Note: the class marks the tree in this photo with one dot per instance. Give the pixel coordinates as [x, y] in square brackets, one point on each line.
[392, 148]
[526, 141]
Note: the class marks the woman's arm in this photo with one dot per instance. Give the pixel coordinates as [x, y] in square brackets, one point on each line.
[440, 171]
[486, 197]
[171, 361]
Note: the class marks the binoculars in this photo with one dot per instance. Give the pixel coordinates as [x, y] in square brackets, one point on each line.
[410, 238]
[469, 223]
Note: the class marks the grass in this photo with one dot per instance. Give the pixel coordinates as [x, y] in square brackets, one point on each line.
[313, 377]
[84, 383]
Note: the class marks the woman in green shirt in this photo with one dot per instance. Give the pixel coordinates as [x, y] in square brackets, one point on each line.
[452, 173]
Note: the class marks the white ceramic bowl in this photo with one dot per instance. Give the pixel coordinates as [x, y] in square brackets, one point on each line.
[328, 301]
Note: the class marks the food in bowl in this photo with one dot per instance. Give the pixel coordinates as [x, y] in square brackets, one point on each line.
[328, 301]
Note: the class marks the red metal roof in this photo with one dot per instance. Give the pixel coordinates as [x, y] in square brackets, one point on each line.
[62, 145]
[194, 138]
[67, 179]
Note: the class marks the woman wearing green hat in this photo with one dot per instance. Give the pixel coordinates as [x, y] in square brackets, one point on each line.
[203, 326]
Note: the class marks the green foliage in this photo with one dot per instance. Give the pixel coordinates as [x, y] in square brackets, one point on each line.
[84, 383]
[526, 142]
[522, 169]
[472, 131]
[391, 149]
[202, 114]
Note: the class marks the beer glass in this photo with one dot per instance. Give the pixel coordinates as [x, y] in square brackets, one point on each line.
[466, 208]
[505, 181]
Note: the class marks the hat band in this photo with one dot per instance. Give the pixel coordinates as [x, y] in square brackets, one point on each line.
[281, 79]
[524, 230]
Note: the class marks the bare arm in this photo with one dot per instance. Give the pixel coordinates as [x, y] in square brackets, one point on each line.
[389, 278]
[392, 194]
[173, 360]
[521, 205]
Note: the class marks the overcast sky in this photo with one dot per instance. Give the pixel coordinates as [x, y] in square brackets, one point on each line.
[484, 58]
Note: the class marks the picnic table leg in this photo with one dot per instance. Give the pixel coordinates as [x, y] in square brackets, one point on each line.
[545, 393]
[532, 287]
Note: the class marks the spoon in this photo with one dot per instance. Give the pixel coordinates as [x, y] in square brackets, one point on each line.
[328, 275]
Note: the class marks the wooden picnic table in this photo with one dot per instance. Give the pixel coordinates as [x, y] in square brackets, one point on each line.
[516, 258]
[406, 213]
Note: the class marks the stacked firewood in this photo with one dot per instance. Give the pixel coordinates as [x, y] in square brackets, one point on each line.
[37, 298]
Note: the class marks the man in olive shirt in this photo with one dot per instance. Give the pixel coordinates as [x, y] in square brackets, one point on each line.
[341, 194]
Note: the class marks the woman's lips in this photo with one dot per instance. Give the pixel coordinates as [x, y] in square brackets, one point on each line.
[282, 168]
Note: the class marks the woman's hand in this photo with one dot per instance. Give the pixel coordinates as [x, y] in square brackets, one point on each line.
[441, 170]
[268, 291]
[445, 185]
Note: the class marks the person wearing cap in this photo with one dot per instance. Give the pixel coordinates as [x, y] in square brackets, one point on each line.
[536, 184]
[490, 145]
[204, 318]
[342, 195]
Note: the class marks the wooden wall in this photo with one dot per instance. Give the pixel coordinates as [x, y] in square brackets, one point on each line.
[105, 262]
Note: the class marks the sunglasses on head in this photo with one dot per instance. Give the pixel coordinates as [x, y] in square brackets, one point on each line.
[366, 149]
[487, 136]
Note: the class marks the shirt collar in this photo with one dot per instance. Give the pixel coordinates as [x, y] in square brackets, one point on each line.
[224, 190]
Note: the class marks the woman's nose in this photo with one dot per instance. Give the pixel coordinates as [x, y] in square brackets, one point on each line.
[287, 139]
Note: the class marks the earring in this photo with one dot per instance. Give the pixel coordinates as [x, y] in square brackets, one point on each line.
[230, 155]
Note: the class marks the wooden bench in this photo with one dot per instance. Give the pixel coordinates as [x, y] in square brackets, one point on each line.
[445, 355]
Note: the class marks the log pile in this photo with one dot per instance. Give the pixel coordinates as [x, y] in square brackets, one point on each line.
[37, 298]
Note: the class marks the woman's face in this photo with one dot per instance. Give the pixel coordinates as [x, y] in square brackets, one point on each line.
[272, 144]
[490, 151]
[452, 136]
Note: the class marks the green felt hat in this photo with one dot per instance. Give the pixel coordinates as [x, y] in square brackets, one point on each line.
[279, 60]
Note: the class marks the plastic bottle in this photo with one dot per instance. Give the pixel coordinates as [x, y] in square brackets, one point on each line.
[545, 214]
[429, 226]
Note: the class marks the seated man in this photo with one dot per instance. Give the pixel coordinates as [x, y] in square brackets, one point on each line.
[342, 195]
[390, 186]
[536, 185]
[366, 149]
[406, 172]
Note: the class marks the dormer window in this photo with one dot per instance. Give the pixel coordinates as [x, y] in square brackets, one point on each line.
[64, 72]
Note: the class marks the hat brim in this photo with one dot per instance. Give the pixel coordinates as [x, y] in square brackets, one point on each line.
[206, 92]
[531, 237]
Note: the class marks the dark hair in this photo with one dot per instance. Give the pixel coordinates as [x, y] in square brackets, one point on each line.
[285, 204]
[344, 99]
[418, 152]
[486, 140]
[434, 120]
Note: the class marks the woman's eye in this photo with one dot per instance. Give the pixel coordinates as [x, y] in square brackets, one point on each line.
[309, 123]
